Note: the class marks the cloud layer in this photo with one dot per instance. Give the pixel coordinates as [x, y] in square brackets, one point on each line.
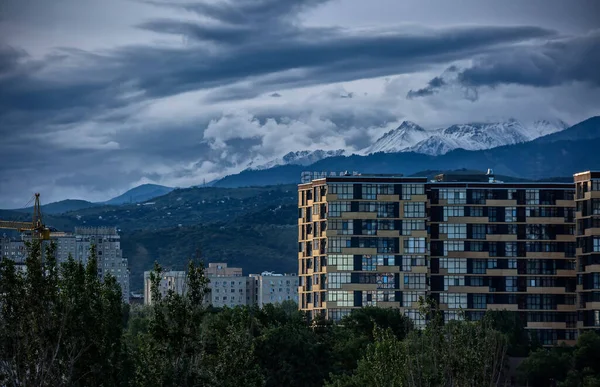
[251, 79]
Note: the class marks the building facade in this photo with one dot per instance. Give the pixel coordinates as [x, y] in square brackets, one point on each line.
[470, 242]
[587, 185]
[271, 288]
[171, 280]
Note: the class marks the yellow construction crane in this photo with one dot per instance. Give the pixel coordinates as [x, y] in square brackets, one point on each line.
[36, 226]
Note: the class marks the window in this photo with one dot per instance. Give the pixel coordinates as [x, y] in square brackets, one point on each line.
[385, 189]
[343, 191]
[342, 262]
[344, 227]
[596, 244]
[408, 298]
[369, 191]
[335, 280]
[454, 300]
[493, 249]
[450, 315]
[493, 214]
[454, 265]
[511, 284]
[415, 246]
[479, 301]
[453, 280]
[414, 210]
[454, 195]
[337, 208]
[337, 314]
[367, 207]
[409, 261]
[417, 318]
[512, 263]
[415, 281]
[510, 249]
[385, 210]
[343, 298]
[412, 189]
[454, 231]
[476, 211]
[492, 263]
[477, 281]
[386, 281]
[479, 231]
[408, 226]
[450, 246]
[510, 214]
[479, 266]
[369, 263]
[386, 245]
[369, 227]
[476, 246]
[532, 196]
[453, 212]
[337, 243]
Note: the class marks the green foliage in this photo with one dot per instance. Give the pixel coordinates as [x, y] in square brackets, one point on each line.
[568, 367]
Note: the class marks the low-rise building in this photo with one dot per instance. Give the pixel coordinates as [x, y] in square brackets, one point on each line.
[274, 288]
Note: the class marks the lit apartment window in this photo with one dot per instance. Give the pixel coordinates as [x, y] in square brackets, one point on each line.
[412, 189]
[414, 210]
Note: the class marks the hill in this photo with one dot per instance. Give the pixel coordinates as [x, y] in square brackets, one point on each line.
[140, 194]
[62, 206]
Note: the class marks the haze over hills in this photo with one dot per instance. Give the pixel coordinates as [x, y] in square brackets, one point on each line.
[140, 193]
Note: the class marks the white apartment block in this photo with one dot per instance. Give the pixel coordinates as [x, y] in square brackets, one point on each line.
[171, 280]
[274, 288]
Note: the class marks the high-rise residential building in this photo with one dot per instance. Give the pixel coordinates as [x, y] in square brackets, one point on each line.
[587, 185]
[108, 251]
[469, 241]
[271, 288]
[13, 249]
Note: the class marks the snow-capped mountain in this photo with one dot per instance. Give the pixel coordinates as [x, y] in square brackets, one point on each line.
[296, 158]
[472, 136]
[400, 139]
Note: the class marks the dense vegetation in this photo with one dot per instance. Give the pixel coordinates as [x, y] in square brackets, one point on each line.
[61, 326]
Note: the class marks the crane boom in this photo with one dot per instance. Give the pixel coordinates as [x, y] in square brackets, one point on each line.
[36, 226]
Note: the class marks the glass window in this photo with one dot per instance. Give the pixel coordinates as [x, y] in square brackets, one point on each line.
[408, 226]
[454, 300]
[335, 280]
[532, 196]
[341, 261]
[454, 195]
[414, 210]
[454, 265]
[453, 212]
[479, 231]
[343, 191]
[412, 260]
[415, 246]
[415, 281]
[335, 209]
[510, 214]
[453, 280]
[511, 284]
[450, 246]
[343, 298]
[369, 191]
[412, 189]
[454, 231]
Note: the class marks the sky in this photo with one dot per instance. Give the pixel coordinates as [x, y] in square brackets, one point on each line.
[97, 97]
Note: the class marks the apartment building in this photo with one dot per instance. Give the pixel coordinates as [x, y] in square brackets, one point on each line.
[13, 249]
[469, 241]
[171, 280]
[587, 185]
[108, 247]
[271, 288]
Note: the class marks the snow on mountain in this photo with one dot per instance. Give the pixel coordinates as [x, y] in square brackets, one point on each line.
[296, 158]
[472, 136]
[403, 137]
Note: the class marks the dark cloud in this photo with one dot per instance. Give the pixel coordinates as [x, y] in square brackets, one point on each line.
[553, 63]
[275, 95]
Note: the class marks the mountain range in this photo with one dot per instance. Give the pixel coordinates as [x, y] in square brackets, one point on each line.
[410, 137]
[559, 153]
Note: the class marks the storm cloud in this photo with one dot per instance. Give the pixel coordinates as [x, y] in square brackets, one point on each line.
[222, 83]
